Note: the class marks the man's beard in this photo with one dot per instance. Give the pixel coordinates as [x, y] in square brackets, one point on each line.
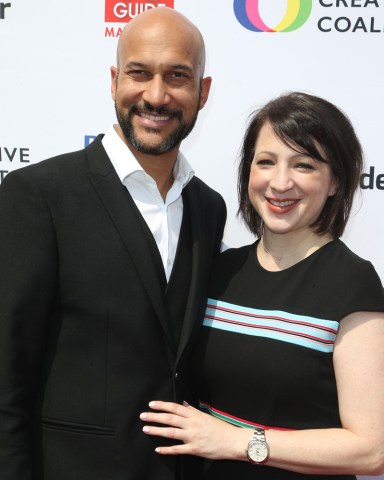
[173, 139]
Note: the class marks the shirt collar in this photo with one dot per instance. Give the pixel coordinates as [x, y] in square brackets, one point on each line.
[125, 163]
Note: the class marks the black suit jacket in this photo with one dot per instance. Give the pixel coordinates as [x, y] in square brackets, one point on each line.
[84, 338]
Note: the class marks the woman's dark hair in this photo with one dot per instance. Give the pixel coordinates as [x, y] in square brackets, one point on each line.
[305, 122]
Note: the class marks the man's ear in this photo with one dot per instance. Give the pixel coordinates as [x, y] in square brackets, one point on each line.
[114, 78]
[204, 87]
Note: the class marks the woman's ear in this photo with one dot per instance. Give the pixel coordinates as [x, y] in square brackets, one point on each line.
[333, 188]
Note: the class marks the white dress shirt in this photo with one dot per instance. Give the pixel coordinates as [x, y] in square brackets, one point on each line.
[162, 217]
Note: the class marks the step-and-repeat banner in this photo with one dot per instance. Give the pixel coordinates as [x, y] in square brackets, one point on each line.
[55, 83]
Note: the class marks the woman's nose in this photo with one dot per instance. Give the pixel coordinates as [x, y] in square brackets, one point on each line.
[281, 180]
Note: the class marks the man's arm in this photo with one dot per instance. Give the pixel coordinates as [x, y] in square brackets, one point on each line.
[28, 277]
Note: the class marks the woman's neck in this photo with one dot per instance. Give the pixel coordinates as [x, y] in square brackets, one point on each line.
[280, 251]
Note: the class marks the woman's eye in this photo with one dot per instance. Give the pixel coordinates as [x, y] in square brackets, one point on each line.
[264, 162]
[305, 166]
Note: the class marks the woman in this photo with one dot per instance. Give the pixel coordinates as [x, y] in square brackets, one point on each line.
[290, 361]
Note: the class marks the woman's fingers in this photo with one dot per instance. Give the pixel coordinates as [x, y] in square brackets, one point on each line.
[171, 407]
[170, 414]
[166, 432]
[163, 418]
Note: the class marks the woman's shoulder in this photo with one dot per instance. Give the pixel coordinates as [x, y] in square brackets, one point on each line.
[227, 269]
[356, 275]
[234, 254]
[231, 261]
[340, 255]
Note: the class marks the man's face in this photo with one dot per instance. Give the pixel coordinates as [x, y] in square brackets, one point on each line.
[158, 89]
[159, 143]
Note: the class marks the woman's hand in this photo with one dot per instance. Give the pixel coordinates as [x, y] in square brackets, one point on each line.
[202, 434]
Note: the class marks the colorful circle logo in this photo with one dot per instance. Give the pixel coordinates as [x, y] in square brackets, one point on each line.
[248, 14]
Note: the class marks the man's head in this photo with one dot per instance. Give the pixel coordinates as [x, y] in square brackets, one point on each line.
[158, 85]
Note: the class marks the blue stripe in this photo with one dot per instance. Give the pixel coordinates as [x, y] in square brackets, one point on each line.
[310, 332]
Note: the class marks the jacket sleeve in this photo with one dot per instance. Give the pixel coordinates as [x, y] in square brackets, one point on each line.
[28, 277]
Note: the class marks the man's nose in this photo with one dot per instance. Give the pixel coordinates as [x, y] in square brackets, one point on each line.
[156, 92]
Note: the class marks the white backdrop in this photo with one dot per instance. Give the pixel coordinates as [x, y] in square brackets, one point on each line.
[55, 84]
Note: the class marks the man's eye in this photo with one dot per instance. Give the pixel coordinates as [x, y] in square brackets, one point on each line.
[178, 77]
[137, 73]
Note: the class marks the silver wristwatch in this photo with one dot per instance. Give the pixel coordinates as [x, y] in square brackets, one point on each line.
[257, 451]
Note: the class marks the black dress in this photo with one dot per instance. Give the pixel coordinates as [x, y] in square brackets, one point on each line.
[264, 356]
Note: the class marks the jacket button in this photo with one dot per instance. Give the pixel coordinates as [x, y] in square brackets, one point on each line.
[177, 376]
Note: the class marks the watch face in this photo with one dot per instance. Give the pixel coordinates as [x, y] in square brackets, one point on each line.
[257, 451]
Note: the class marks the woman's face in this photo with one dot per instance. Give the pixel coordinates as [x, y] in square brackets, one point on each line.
[288, 189]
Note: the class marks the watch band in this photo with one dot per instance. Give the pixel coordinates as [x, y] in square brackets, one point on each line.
[258, 451]
[259, 434]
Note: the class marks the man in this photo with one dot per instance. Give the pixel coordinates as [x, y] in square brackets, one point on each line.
[104, 260]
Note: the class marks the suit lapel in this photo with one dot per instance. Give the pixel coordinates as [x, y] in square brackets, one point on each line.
[118, 204]
[193, 201]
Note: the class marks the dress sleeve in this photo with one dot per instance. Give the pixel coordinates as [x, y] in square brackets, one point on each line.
[365, 291]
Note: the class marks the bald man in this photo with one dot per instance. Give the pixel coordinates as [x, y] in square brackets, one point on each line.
[104, 257]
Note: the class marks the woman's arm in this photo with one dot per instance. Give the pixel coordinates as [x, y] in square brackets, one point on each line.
[357, 448]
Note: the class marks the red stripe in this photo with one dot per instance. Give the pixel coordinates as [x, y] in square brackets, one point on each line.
[264, 327]
[266, 427]
[271, 317]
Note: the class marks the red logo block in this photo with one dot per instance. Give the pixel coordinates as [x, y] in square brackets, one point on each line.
[116, 11]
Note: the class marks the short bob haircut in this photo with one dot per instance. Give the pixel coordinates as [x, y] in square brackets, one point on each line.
[304, 122]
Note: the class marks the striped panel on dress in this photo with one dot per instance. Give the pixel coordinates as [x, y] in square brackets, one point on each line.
[310, 332]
